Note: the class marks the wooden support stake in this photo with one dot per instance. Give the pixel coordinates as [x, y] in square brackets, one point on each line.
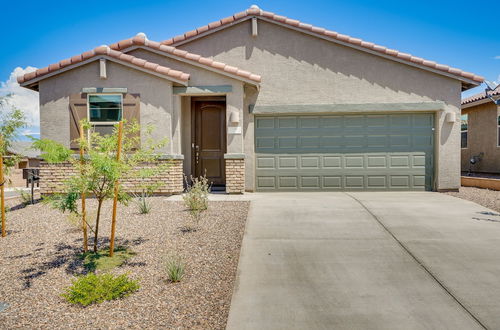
[2, 183]
[84, 211]
[115, 199]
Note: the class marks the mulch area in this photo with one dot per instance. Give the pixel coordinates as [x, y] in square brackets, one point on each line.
[39, 258]
[485, 197]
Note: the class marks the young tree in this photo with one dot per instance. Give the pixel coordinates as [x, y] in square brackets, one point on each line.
[100, 170]
[11, 120]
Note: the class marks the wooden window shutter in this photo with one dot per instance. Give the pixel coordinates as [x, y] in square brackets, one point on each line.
[78, 111]
[132, 108]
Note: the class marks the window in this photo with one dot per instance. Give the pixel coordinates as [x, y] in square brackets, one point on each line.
[105, 108]
[104, 111]
[464, 129]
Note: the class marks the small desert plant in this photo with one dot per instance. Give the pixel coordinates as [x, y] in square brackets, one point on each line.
[196, 197]
[142, 201]
[25, 196]
[175, 268]
[94, 289]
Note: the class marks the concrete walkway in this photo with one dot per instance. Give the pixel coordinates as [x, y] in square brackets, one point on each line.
[367, 261]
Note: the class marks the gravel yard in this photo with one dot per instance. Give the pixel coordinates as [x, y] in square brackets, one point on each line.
[39, 258]
[484, 197]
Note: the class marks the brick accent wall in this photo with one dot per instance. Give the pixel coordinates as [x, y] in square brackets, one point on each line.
[235, 176]
[53, 176]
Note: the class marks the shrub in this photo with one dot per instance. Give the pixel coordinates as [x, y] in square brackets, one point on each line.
[196, 197]
[175, 269]
[94, 289]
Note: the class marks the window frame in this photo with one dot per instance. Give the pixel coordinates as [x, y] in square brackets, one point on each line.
[464, 131]
[104, 123]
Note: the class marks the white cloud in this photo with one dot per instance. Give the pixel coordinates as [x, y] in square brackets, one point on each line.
[497, 57]
[23, 98]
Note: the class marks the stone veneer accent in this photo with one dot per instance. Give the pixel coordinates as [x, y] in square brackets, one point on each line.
[53, 176]
[235, 176]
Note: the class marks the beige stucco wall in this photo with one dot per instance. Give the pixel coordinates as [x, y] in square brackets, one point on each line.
[482, 137]
[300, 69]
[201, 77]
[155, 97]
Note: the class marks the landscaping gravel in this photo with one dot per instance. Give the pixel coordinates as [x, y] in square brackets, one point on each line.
[485, 197]
[39, 258]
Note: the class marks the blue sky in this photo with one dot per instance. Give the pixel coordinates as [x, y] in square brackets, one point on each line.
[461, 34]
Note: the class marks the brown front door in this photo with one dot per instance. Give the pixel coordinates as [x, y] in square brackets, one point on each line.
[209, 140]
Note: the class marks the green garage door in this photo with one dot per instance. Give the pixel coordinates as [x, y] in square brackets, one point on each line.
[344, 152]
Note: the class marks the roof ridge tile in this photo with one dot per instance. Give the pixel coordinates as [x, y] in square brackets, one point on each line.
[104, 51]
[480, 96]
[255, 11]
[186, 55]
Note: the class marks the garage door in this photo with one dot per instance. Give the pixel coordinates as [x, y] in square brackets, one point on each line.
[344, 152]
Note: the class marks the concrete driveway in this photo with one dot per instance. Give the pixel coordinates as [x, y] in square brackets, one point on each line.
[367, 261]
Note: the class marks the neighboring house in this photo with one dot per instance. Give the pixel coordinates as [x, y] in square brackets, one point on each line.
[481, 133]
[28, 158]
[261, 102]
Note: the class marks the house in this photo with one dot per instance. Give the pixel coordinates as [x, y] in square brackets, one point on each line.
[26, 158]
[480, 133]
[261, 102]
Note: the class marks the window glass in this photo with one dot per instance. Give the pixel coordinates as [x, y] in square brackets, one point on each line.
[105, 108]
[464, 126]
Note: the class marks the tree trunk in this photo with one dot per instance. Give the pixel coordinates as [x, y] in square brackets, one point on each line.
[99, 204]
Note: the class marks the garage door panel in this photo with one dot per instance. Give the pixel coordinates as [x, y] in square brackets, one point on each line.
[309, 142]
[354, 161]
[400, 181]
[354, 181]
[400, 121]
[396, 141]
[354, 152]
[287, 122]
[287, 142]
[266, 182]
[332, 162]
[401, 161]
[332, 182]
[331, 143]
[379, 161]
[418, 161]
[265, 162]
[263, 143]
[419, 181]
[287, 162]
[332, 121]
[310, 182]
[309, 122]
[264, 122]
[288, 182]
[310, 162]
[376, 182]
[377, 141]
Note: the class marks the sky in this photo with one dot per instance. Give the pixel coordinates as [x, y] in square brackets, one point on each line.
[462, 34]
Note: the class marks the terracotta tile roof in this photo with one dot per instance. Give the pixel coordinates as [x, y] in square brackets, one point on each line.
[256, 11]
[480, 96]
[105, 50]
[141, 40]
